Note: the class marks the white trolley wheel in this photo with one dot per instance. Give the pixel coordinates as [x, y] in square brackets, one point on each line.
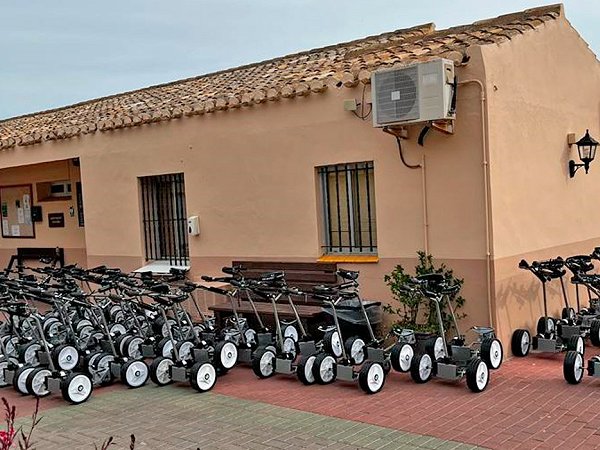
[292, 332]
[160, 371]
[36, 382]
[325, 368]
[401, 357]
[20, 379]
[421, 368]
[304, 370]
[66, 357]
[76, 388]
[4, 364]
[226, 354]
[263, 363]
[573, 367]
[355, 349]
[134, 373]
[371, 377]
[478, 375]
[333, 343]
[492, 352]
[203, 376]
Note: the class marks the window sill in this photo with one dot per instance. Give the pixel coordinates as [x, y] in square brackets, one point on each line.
[359, 259]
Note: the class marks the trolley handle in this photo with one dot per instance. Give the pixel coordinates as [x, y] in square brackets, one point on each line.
[348, 274]
[216, 290]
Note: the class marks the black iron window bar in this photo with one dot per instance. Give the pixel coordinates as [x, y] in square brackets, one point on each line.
[165, 219]
[349, 208]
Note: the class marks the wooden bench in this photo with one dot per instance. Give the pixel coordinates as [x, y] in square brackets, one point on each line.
[56, 255]
[297, 274]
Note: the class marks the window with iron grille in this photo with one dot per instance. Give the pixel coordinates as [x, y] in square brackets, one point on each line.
[349, 208]
[164, 218]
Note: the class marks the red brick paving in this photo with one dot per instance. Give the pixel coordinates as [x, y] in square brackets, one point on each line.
[527, 404]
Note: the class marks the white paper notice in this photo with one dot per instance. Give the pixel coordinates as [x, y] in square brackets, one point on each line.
[27, 209]
[20, 215]
[5, 227]
[15, 230]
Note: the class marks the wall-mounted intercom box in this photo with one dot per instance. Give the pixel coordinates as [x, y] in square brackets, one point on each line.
[193, 226]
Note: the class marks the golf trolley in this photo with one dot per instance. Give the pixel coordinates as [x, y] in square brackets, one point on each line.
[553, 336]
[292, 353]
[339, 360]
[588, 318]
[107, 364]
[44, 378]
[454, 360]
[196, 368]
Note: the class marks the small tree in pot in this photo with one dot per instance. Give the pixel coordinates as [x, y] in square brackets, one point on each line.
[412, 310]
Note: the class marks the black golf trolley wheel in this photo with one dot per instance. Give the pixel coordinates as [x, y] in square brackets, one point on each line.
[546, 327]
[355, 349]
[225, 356]
[573, 367]
[324, 368]
[160, 371]
[28, 353]
[290, 347]
[401, 357]
[165, 347]
[568, 314]
[421, 368]
[478, 375]
[576, 343]
[134, 373]
[185, 350]
[4, 365]
[520, 343]
[133, 347]
[304, 369]
[20, 379]
[492, 352]
[434, 346]
[203, 376]
[263, 363]
[371, 377]
[595, 332]
[332, 343]
[76, 388]
[65, 357]
[100, 369]
[36, 382]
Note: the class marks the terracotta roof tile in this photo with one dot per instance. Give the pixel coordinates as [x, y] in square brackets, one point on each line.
[298, 74]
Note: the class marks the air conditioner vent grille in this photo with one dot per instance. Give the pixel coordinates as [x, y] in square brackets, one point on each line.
[398, 95]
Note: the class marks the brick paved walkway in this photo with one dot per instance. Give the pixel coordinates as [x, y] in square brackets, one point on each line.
[174, 417]
[527, 405]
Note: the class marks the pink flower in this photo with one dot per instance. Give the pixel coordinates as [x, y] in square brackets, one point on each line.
[6, 438]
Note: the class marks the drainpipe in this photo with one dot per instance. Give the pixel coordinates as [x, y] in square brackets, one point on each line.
[425, 213]
[487, 199]
[398, 134]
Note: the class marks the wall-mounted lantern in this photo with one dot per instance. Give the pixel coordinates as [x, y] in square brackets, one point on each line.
[586, 147]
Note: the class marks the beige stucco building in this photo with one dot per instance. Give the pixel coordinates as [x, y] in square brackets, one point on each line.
[258, 146]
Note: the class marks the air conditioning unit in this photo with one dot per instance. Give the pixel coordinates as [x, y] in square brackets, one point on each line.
[420, 92]
[60, 189]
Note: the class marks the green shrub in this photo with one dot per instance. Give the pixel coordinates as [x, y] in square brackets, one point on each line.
[414, 311]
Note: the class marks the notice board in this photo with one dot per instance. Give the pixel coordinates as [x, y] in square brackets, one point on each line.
[15, 211]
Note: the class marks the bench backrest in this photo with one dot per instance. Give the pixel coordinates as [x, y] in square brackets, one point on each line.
[303, 275]
[55, 254]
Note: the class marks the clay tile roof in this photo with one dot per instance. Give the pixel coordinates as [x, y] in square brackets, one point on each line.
[299, 74]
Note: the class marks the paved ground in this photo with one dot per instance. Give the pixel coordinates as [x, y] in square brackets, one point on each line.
[527, 405]
[175, 418]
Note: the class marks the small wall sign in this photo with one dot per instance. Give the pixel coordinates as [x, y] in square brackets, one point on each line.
[56, 220]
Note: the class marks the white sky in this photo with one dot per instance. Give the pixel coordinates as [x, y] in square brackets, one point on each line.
[58, 52]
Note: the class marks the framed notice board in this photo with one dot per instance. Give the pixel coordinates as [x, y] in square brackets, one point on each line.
[15, 211]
